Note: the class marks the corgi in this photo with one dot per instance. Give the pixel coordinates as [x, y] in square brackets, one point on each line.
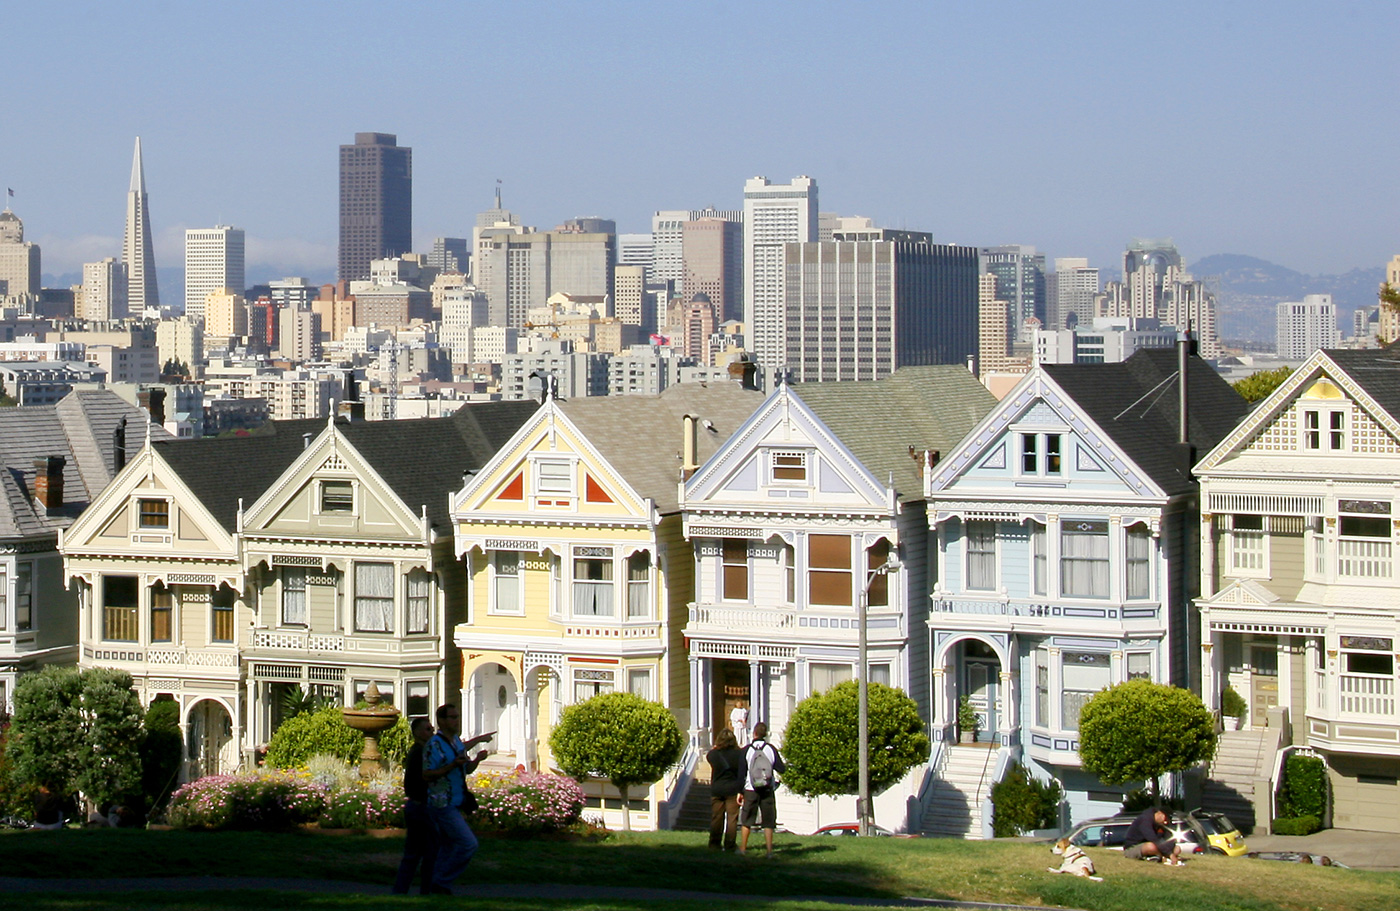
[1075, 861]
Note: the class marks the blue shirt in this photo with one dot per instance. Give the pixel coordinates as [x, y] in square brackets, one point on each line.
[442, 751]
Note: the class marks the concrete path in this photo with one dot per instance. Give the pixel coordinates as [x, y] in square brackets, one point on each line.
[1360, 850]
[16, 885]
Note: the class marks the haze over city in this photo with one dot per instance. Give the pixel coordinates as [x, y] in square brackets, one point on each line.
[1244, 128]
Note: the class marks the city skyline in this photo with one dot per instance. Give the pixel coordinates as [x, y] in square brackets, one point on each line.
[1282, 161]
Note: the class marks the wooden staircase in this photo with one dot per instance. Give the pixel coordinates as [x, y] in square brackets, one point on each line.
[1241, 757]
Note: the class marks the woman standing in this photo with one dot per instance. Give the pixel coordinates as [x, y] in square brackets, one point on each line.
[727, 774]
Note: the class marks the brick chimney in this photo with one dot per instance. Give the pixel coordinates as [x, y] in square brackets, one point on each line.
[48, 482]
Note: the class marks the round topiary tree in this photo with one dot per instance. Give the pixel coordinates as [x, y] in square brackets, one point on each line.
[324, 731]
[1138, 730]
[618, 737]
[821, 743]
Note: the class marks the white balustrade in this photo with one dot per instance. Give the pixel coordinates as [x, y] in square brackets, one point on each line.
[1366, 695]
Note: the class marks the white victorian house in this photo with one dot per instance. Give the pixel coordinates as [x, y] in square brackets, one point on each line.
[1300, 594]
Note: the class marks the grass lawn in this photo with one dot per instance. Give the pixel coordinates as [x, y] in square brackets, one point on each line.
[1012, 872]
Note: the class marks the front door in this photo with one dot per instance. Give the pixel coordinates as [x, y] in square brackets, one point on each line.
[731, 691]
[1263, 683]
[981, 677]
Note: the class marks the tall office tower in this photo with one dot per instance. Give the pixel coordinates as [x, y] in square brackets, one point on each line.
[450, 254]
[587, 224]
[104, 290]
[775, 215]
[851, 226]
[137, 252]
[1390, 317]
[523, 270]
[635, 250]
[19, 261]
[712, 253]
[491, 223]
[630, 295]
[993, 327]
[1020, 274]
[1307, 325]
[1069, 292]
[1157, 286]
[1365, 323]
[213, 262]
[859, 310]
[376, 202]
[668, 243]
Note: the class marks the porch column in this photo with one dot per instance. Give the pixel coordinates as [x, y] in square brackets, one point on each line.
[252, 723]
[940, 703]
[698, 708]
[1207, 556]
[758, 711]
[1210, 666]
[529, 721]
[1010, 699]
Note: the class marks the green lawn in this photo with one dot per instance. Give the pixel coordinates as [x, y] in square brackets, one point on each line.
[1012, 872]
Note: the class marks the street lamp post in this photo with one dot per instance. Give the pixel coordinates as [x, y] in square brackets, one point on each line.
[863, 813]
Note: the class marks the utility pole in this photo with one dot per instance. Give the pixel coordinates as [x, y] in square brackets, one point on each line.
[864, 815]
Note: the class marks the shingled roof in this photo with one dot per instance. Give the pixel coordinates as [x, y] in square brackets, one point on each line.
[931, 407]
[641, 435]
[1376, 370]
[1136, 403]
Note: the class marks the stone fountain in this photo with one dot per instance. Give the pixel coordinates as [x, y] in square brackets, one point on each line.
[371, 722]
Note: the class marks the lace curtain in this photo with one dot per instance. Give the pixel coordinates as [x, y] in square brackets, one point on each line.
[374, 597]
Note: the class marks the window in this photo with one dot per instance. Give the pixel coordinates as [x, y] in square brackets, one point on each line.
[639, 586]
[981, 556]
[1336, 430]
[1084, 559]
[1312, 437]
[4, 604]
[153, 513]
[374, 597]
[1138, 550]
[880, 673]
[162, 613]
[790, 466]
[1364, 540]
[1040, 560]
[420, 596]
[24, 596]
[1139, 665]
[385, 687]
[589, 683]
[789, 573]
[878, 582]
[1052, 453]
[639, 682]
[337, 496]
[1040, 454]
[1083, 675]
[293, 596]
[419, 703]
[1042, 687]
[593, 582]
[1247, 544]
[1368, 655]
[829, 569]
[1030, 458]
[734, 569]
[506, 584]
[554, 477]
[120, 597]
[221, 621]
[825, 676]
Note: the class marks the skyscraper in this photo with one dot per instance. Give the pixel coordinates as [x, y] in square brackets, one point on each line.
[376, 202]
[775, 215]
[104, 291]
[1070, 290]
[19, 262]
[213, 262]
[712, 257]
[1157, 286]
[1020, 274]
[1307, 325]
[137, 252]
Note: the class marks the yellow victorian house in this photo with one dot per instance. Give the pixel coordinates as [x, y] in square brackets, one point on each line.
[578, 573]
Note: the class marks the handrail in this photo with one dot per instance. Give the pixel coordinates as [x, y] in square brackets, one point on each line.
[678, 781]
[933, 770]
[1006, 755]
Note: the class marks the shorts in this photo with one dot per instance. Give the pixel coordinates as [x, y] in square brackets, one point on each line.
[1134, 852]
[761, 808]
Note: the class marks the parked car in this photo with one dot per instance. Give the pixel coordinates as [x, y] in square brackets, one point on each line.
[850, 828]
[1197, 832]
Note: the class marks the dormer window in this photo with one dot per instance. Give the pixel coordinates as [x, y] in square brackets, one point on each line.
[153, 513]
[1040, 454]
[1324, 430]
[789, 466]
[337, 497]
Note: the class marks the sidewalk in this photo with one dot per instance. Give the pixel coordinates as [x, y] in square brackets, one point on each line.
[1361, 850]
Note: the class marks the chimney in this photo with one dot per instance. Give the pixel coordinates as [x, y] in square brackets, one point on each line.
[1183, 355]
[745, 373]
[48, 482]
[157, 406]
[119, 447]
[690, 445]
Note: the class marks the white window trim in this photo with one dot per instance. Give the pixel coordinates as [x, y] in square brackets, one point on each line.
[619, 591]
[570, 461]
[493, 607]
[319, 505]
[967, 557]
[1324, 427]
[1258, 546]
[772, 464]
[1041, 435]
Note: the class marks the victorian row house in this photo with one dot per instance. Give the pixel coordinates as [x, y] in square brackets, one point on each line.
[1300, 597]
[1065, 527]
[56, 459]
[311, 557]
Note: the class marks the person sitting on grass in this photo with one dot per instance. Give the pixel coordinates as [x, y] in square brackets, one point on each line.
[1147, 838]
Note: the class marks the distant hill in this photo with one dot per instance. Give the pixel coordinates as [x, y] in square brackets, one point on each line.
[1248, 291]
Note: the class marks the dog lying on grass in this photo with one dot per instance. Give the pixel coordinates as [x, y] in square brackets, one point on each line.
[1074, 862]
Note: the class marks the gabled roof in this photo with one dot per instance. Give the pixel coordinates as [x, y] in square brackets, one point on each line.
[1136, 403]
[641, 435]
[931, 407]
[1376, 370]
[79, 429]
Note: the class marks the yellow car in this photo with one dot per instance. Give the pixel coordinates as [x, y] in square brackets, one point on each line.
[1220, 832]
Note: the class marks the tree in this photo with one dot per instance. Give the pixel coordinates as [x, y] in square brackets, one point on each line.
[618, 737]
[1138, 730]
[1390, 296]
[821, 743]
[1257, 386]
[324, 731]
[161, 751]
[77, 731]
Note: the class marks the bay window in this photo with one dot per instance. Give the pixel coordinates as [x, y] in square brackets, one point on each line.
[1082, 675]
[293, 596]
[1084, 559]
[829, 569]
[374, 597]
[420, 594]
[506, 583]
[1138, 562]
[593, 582]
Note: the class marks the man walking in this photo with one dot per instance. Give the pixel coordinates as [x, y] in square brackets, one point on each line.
[445, 768]
[420, 845]
[757, 804]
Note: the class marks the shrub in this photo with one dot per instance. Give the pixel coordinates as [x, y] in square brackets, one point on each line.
[1021, 803]
[262, 801]
[1232, 703]
[1298, 825]
[363, 807]
[325, 731]
[160, 752]
[821, 743]
[525, 803]
[1139, 730]
[967, 717]
[1304, 791]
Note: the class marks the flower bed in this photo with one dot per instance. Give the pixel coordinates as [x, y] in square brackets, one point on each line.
[261, 801]
[525, 803]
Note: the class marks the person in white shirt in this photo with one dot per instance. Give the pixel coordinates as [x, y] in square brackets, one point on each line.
[739, 723]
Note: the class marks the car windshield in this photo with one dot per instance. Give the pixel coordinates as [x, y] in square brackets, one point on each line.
[1215, 824]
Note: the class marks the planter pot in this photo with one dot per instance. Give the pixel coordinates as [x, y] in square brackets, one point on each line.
[1232, 722]
[967, 737]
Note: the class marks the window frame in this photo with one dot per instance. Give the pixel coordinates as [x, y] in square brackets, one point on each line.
[975, 553]
[330, 503]
[418, 602]
[1041, 453]
[564, 484]
[639, 586]
[130, 616]
[644, 676]
[833, 669]
[221, 614]
[162, 602]
[1079, 528]
[24, 596]
[373, 600]
[1145, 562]
[1039, 534]
[287, 588]
[733, 574]
[825, 580]
[157, 510]
[498, 564]
[1101, 659]
[789, 468]
[586, 588]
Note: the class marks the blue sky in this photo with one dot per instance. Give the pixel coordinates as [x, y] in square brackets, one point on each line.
[1270, 129]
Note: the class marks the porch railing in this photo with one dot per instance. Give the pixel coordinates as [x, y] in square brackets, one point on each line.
[757, 618]
[1363, 559]
[1366, 695]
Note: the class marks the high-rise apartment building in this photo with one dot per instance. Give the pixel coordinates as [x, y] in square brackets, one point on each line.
[1157, 286]
[213, 262]
[521, 271]
[137, 252]
[1390, 316]
[859, 310]
[180, 340]
[993, 327]
[1307, 325]
[376, 202]
[225, 317]
[292, 292]
[104, 291]
[299, 334]
[19, 261]
[775, 216]
[1069, 292]
[1020, 275]
[630, 295]
[712, 254]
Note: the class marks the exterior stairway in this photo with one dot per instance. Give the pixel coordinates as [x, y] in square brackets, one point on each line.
[1241, 757]
[954, 808]
[695, 812]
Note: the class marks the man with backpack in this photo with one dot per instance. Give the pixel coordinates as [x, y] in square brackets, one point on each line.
[446, 765]
[757, 804]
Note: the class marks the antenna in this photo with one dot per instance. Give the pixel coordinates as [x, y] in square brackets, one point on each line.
[391, 406]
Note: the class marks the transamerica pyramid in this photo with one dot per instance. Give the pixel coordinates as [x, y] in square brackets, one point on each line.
[136, 244]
